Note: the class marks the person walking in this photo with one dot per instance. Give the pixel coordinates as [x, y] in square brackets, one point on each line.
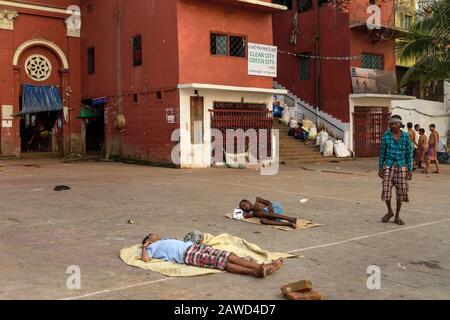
[395, 168]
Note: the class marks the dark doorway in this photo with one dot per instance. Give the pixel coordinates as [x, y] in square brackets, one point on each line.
[95, 133]
[41, 132]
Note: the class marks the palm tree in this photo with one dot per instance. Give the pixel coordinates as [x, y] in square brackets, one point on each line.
[427, 42]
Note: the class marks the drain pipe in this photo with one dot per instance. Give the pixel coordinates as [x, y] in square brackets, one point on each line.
[317, 41]
[119, 68]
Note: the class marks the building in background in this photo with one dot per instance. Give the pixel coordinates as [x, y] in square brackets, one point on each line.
[40, 78]
[164, 73]
[341, 71]
[405, 17]
[134, 77]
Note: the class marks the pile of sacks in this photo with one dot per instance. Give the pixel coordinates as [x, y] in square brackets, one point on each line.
[291, 115]
[330, 146]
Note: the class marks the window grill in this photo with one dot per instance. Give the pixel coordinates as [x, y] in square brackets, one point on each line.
[137, 51]
[305, 68]
[219, 44]
[91, 60]
[371, 61]
[237, 46]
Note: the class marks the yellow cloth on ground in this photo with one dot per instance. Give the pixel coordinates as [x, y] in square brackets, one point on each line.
[238, 246]
[301, 224]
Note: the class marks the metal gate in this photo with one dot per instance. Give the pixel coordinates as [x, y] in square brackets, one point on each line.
[369, 125]
[245, 116]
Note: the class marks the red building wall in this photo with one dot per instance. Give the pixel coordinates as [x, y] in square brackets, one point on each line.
[196, 20]
[35, 24]
[337, 39]
[147, 135]
[176, 50]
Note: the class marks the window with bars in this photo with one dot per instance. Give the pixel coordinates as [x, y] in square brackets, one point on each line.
[91, 60]
[372, 61]
[219, 44]
[305, 68]
[228, 45]
[137, 51]
[237, 46]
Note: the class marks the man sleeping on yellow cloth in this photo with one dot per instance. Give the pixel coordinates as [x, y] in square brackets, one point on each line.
[194, 253]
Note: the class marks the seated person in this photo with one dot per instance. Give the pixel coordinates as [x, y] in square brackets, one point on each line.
[277, 110]
[442, 152]
[199, 255]
[269, 213]
[301, 134]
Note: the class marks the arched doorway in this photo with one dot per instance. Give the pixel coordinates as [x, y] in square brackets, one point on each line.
[40, 86]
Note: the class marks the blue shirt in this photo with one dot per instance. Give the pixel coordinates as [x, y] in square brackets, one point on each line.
[169, 250]
[396, 152]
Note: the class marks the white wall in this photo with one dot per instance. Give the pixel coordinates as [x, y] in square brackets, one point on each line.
[196, 156]
[424, 112]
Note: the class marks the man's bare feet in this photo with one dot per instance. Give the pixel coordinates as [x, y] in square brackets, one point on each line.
[274, 266]
[387, 217]
[293, 225]
[399, 221]
[262, 271]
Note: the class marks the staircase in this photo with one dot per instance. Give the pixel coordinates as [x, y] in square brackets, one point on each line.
[294, 152]
[334, 126]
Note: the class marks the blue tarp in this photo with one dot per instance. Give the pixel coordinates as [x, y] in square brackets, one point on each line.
[98, 101]
[36, 99]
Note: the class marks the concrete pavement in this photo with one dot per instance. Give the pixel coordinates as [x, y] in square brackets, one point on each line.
[42, 232]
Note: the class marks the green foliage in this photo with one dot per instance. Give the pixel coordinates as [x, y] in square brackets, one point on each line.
[428, 43]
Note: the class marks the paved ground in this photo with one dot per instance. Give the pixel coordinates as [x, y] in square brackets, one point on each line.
[42, 232]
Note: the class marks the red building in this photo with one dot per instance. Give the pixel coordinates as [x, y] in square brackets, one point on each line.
[40, 77]
[136, 82]
[338, 33]
[162, 70]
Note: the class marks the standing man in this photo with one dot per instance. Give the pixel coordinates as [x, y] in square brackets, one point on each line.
[412, 138]
[396, 167]
[433, 141]
[423, 148]
[416, 146]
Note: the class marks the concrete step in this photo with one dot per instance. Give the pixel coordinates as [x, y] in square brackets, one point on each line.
[294, 151]
[312, 160]
[299, 156]
[40, 155]
[297, 146]
[300, 147]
